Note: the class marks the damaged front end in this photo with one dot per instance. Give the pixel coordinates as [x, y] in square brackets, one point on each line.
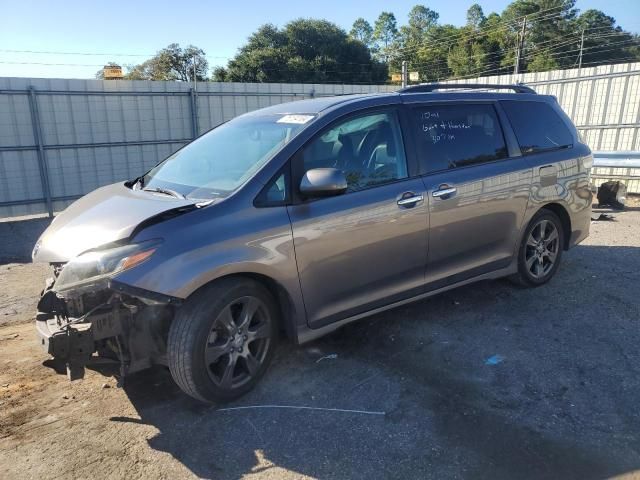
[85, 310]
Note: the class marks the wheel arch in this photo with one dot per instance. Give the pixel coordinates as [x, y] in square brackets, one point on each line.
[280, 294]
[565, 220]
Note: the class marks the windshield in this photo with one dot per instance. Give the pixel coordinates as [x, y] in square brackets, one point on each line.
[223, 159]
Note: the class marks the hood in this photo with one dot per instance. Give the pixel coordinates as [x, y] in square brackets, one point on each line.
[103, 216]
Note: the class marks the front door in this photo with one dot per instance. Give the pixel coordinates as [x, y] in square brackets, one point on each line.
[367, 247]
[477, 192]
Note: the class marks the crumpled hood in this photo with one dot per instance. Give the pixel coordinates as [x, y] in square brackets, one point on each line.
[105, 215]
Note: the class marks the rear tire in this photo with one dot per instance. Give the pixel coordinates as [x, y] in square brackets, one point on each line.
[540, 250]
[222, 340]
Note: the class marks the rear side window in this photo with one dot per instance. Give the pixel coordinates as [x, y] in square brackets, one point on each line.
[454, 136]
[537, 126]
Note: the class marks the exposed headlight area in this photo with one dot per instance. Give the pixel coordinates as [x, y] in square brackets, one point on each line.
[97, 266]
[85, 310]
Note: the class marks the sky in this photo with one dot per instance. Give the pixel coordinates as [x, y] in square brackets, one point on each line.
[92, 33]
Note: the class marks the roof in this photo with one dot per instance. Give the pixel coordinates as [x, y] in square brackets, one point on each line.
[418, 93]
[433, 87]
[314, 105]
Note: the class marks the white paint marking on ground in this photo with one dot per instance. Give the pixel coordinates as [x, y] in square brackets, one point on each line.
[343, 410]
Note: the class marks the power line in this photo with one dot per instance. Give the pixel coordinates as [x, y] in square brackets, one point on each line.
[532, 52]
[500, 25]
[558, 55]
[53, 64]
[486, 56]
[96, 54]
[486, 72]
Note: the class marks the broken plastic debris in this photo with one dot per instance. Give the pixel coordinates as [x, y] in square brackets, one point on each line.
[604, 218]
[333, 356]
[494, 360]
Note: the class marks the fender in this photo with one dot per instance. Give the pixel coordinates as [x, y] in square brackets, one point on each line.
[216, 242]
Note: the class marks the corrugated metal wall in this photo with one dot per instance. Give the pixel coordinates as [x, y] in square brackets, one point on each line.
[91, 133]
[60, 139]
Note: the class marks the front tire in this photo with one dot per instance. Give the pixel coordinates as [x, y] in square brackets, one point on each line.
[540, 250]
[222, 340]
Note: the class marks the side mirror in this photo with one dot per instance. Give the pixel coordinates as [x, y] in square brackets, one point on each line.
[323, 182]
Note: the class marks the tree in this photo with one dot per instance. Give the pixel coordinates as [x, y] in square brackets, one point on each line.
[549, 24]
[413, 36]
[604, 42]
[220, 74]
[385, 33]
[469, 56]
[499, 45]
[362, 31]
[172, 63]
[304, 50]
[421, 19]
[430, 56]
[475, 17]
[308, 50]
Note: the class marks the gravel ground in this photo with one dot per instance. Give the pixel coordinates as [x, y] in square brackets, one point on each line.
[487, 381]
[20, 287]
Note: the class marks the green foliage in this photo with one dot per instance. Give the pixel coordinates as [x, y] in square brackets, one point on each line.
[304, 50]
[362, 31]
[219, 74]
[311, 50]
[475, 17]
[172, 63]
[468, 56]
[604, 40]
[385, 35]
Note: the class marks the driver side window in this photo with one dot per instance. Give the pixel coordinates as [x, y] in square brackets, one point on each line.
[367, 148]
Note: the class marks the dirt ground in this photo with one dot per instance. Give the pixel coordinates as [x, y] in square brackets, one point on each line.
[487, 381]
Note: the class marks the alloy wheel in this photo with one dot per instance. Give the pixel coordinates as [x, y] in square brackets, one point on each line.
[542, 248]
[238, 342]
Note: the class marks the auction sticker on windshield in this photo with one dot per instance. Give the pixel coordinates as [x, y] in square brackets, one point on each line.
[299, 119]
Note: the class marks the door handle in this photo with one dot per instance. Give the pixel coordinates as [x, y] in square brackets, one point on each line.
[410, 200]
[444, 192]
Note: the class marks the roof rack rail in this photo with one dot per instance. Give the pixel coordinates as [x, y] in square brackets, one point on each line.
[431, 87]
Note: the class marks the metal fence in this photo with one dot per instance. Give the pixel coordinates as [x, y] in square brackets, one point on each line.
[60, 139]
[622, 166]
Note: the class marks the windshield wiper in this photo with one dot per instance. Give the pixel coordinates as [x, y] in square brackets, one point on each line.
[165, 191]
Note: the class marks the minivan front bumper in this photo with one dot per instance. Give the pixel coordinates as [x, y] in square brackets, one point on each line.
[71, 343]
[127, 323]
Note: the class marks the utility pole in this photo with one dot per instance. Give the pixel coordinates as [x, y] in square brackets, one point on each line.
[405, 74]
[581, 48]
[520, 47]
[195, 78]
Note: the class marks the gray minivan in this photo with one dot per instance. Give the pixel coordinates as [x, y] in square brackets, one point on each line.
[302, 217]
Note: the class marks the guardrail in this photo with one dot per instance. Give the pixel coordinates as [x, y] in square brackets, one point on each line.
[622, 166]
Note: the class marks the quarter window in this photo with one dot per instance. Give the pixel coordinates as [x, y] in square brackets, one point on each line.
[276, 192]
[453, 136]
[537, 126]
[368, 149]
